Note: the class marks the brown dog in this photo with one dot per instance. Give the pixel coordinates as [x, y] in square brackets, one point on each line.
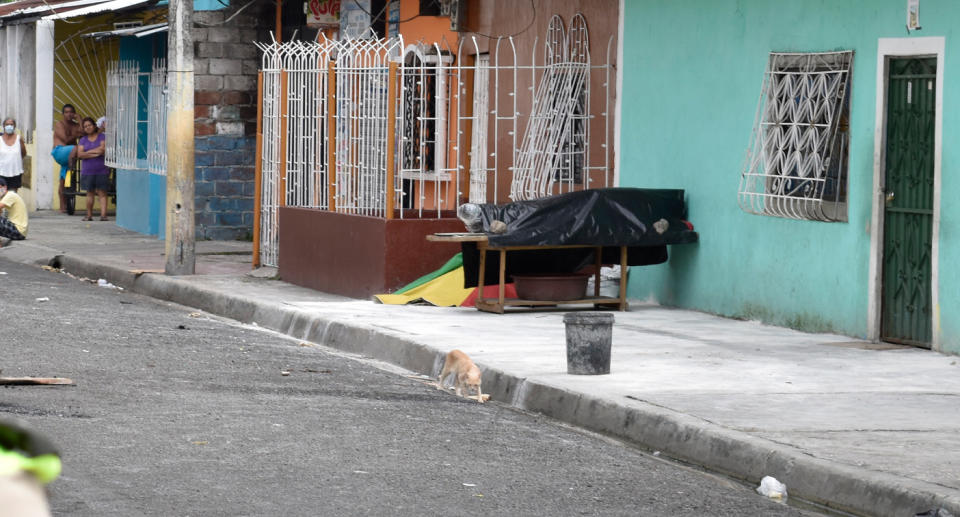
[467, 375]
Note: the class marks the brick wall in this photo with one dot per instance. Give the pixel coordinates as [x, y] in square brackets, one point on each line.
[225, 86]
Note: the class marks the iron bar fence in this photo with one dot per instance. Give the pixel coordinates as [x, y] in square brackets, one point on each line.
[157, 119]
[123, 79]
[130, 94]
[383, 129]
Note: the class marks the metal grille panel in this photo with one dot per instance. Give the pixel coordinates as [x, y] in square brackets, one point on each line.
[796, 165]
[157, 119]
[456, 125]
[122, 97]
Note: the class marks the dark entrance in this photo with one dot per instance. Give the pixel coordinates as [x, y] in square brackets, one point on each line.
[908, 213]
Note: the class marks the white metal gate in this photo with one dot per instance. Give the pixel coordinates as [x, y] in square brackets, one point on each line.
[414, 131]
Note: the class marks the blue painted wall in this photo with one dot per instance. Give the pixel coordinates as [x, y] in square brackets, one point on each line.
[141, 198]
[224, 144]
[140, 194]
[692, 74]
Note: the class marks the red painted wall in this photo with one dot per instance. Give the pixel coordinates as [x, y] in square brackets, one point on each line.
[358, 256]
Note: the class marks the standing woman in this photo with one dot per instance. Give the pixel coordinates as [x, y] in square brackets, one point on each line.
[12, 151]
[94, 174]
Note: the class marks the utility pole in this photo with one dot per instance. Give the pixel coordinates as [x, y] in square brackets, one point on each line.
[180, 229]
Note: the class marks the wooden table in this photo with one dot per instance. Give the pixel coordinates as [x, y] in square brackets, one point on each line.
[502, 302]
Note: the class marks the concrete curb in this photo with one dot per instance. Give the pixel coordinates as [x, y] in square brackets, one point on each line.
[679, 436]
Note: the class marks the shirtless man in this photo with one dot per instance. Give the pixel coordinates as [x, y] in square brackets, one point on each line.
[65, 134]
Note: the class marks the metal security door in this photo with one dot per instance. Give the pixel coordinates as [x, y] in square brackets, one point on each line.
[908, 213]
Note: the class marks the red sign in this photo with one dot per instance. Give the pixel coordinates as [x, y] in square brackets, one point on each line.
[323, 12]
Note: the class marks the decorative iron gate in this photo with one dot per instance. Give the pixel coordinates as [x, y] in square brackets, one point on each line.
[384, 129]
[908, 214]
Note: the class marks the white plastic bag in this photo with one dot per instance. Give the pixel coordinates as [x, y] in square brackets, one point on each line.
[108, 285]
[770, 487]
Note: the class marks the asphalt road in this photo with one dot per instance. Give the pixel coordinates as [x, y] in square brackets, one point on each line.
[175, 413]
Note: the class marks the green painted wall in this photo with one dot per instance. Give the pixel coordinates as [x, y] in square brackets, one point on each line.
[692, 73]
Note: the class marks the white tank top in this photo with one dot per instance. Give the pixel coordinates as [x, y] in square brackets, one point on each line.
[11, 163]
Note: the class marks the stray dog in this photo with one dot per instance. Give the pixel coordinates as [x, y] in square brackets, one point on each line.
[467, 375]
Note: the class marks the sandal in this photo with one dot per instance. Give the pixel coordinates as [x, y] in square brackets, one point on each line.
[104, 218]
[87, 218]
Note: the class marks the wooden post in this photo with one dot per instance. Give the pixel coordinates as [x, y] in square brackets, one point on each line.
[482, 248]
[258, 174]
[332, 137]
[598, 263]
[623, 278]
[180, 222]
[279, 21]
[503, 276]
[391, 137]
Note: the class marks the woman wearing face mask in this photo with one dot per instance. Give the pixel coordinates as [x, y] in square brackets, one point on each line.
[12, 151]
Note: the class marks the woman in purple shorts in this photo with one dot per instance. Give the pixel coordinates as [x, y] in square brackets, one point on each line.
[94, 174]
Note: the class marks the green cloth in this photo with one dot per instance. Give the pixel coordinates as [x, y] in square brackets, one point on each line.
[454, 262]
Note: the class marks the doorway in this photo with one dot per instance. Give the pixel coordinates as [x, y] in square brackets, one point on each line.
[906, 303]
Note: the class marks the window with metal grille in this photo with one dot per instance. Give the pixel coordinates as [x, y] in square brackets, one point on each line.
[419, 118]
[573, 150]
[423, 126]
[796, 165]
[122, 108]
[136, 116]
[157, 119]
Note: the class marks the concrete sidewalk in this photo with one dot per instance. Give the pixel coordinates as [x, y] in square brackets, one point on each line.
[859, 427]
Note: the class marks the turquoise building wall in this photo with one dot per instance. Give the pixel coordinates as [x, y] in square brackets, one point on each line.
[692, 74]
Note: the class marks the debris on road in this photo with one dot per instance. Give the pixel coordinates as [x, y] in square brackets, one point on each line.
[138, 272]
[43, 299]
[770, 487]
[107, 285]
[29, 381]
[285, 373]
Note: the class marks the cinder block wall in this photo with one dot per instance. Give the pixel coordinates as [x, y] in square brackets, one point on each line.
[225, 85]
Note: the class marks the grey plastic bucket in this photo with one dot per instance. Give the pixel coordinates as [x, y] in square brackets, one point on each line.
[589, 338]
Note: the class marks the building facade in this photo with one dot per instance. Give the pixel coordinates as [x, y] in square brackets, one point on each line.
[810, 139]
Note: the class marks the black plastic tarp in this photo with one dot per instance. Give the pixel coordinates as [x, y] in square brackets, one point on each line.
[610, 217]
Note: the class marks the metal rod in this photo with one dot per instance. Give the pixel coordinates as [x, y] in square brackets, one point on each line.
[391, 137]
[332, 136]
[258, 173]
